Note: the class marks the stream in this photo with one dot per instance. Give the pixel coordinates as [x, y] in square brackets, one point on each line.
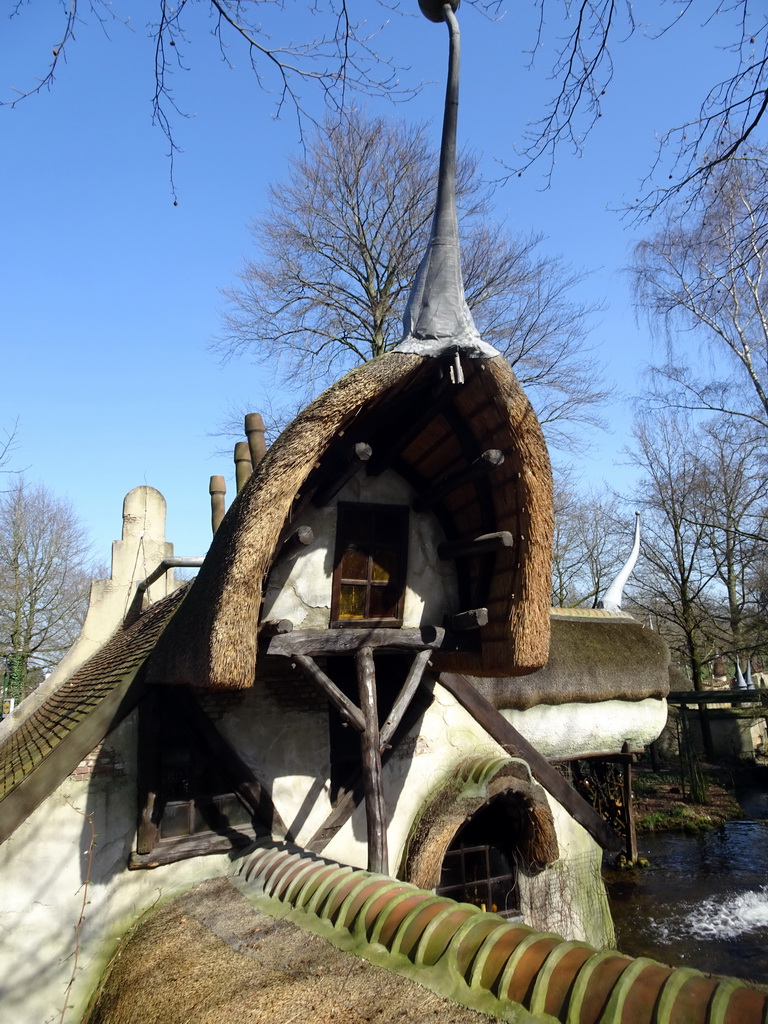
[703, 902]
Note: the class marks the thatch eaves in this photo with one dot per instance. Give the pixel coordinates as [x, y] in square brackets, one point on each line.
[213, 642]
[594, 656]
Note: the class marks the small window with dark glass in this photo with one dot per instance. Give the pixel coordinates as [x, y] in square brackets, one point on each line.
[369, 565]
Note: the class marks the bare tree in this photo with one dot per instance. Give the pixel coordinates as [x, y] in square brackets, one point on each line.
[704, 535]
[703, 277]
[586, 35]
[588, 547]
[44, 577]
[735, 514]
[674, 572]
[338, 252]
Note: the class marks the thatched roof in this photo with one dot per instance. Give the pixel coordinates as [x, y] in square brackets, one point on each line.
[594, 656]
[238, 964]
[212, 642]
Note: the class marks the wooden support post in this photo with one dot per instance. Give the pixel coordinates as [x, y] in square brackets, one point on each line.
[629, 813]
[706, 732]
[217, 489]
[254, 431]
[375, 813]
[470, 547]
[476, 470]
[358, 455]
[243, 466]
[296, 542]
[473, 618]
[404, 698]
[340, 700]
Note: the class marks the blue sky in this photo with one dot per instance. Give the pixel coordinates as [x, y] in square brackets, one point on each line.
[111, 294]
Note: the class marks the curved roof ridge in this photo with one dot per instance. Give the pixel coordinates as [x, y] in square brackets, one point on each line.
[479, 959]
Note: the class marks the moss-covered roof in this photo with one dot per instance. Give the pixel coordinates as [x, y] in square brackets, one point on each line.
[594, 656]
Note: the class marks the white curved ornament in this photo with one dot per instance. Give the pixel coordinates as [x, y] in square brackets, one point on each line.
[612, 598]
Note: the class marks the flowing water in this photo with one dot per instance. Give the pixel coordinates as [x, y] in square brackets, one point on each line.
[702, 903]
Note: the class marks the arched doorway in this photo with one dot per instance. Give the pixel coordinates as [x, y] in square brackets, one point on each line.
[480, 865]
[485, 830]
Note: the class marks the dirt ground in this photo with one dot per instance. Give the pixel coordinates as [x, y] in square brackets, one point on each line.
[660, 804]
[209, 957]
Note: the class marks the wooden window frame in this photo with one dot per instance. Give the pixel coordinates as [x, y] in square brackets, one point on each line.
[154, 849]
[356, 509]
[484, 884]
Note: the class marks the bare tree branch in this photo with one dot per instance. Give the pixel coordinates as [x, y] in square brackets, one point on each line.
[339, 250]
[702, 279]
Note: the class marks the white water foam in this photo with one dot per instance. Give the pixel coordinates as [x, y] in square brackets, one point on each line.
[719, 919]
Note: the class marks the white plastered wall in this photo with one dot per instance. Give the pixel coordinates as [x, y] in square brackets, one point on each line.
[43, 871]
[300, 589]
[584, 730]
[569, 897]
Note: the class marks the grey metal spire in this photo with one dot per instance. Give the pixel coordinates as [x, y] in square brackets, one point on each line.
[437, 317]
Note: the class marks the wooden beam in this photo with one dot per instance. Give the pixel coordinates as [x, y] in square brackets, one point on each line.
[481, 544]
[473, 618]
[629, 812]
[313, 642]
[357, 456]
[404, 698]
[478, 469]
[375, 812]
[440, 397]
[496, 725]
[296, 542]
[340, 700]
[353, 786]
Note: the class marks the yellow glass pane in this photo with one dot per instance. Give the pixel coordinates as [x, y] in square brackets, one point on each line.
[351, 602]
[354, 564]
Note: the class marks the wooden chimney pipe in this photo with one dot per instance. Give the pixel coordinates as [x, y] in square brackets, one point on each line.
[217, 490]
[243, 464]
[254, 431]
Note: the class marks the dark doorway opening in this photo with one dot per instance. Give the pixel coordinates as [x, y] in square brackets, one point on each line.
[479, 866]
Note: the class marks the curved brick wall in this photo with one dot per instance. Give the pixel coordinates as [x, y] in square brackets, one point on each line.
[480, 959]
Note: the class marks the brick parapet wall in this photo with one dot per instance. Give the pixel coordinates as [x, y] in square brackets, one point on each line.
[102, 760]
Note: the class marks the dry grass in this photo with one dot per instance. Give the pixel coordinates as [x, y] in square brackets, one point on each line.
[208, 957]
